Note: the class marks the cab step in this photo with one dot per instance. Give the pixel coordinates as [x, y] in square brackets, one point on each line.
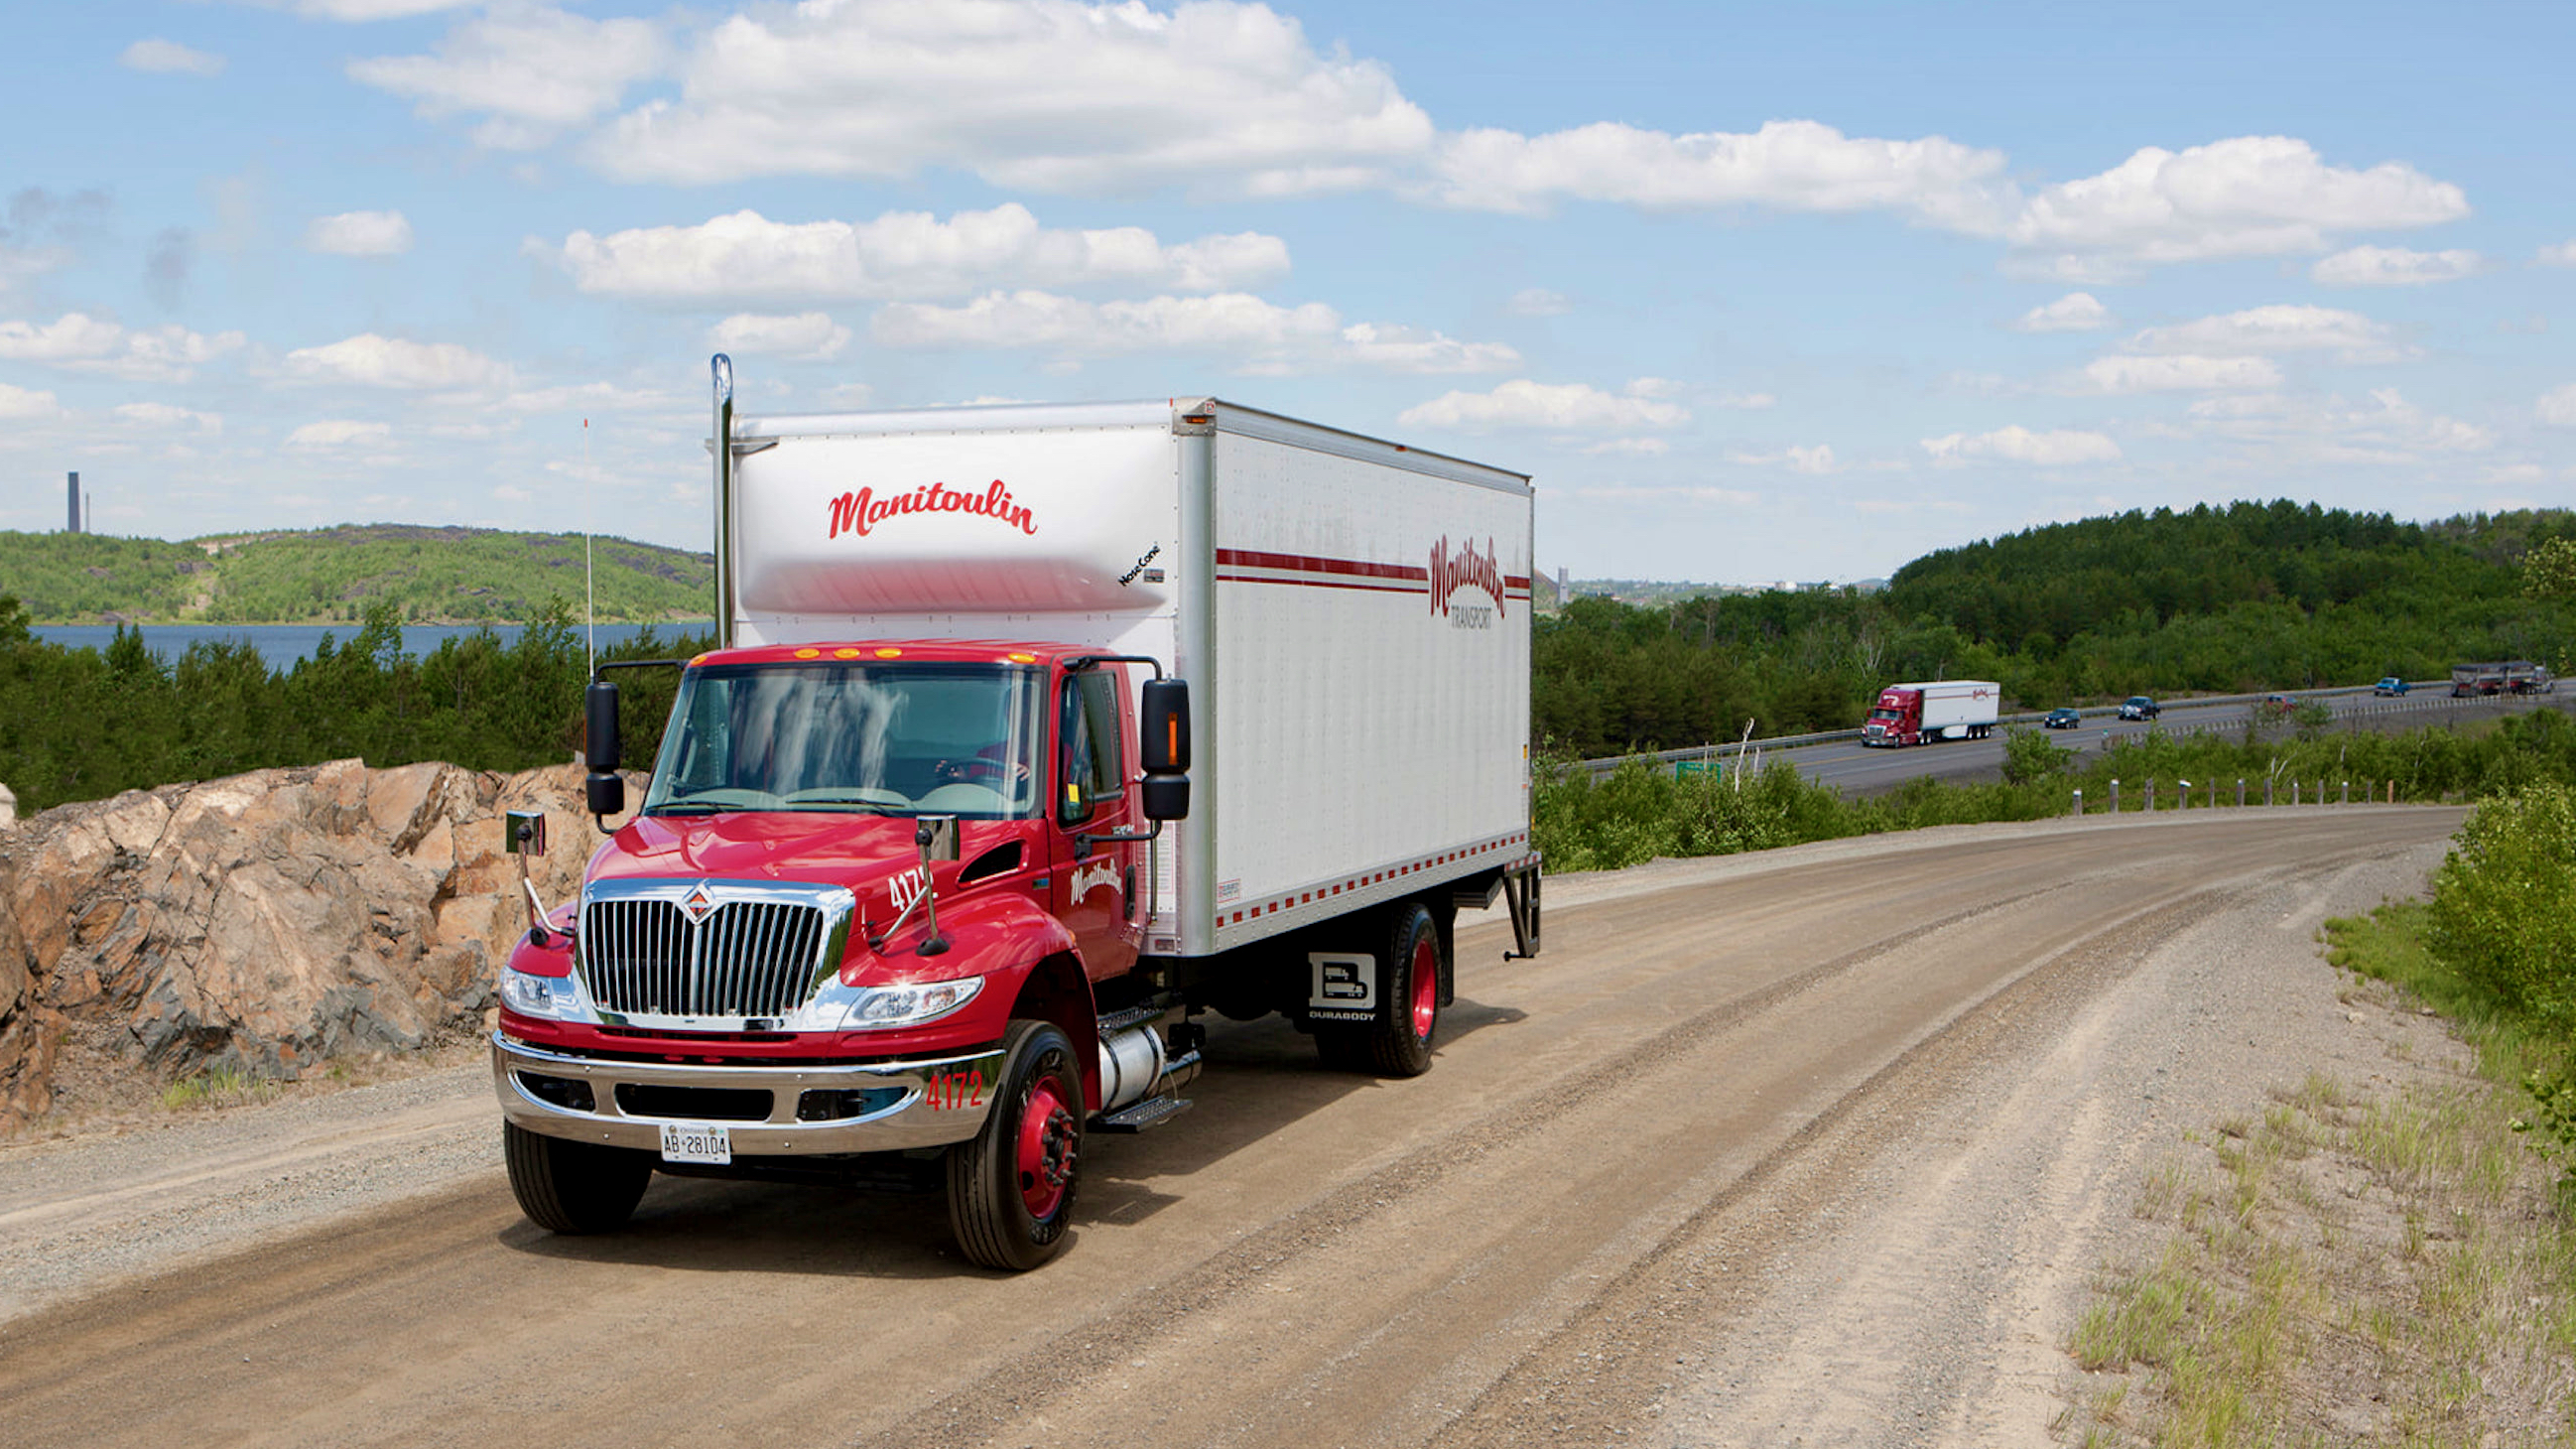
[1137, 1116]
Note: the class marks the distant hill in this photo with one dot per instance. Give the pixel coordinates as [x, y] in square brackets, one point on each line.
[330, 575]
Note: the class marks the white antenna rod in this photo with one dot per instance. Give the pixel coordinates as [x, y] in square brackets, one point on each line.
[589, 591]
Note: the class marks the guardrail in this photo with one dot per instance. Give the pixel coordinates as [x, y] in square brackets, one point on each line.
[1709, 754]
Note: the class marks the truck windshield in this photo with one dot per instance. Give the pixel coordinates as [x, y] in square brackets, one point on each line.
[1884, 712]
[938, 739]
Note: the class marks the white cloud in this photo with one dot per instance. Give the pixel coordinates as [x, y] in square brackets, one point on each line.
[1748, 401]
[1818, 459]
[83, 343]
[360, 234]
[363, 10]
[902, 254]
[2386, 431]
[166, 415]
[2278, 328]
[1268, 337]
[2250, 196]
[1787, 165]
[1642, 447]
[339, 433]
[532, 71]
[1539, 302]
[1521, 403]
[2055, 449]
[1413, 349]
[24, 404]
[73, 335]
[509, 494]
[2186, 372]
[1048, 95]
[849, 395]
[2557, 407]
[168, 57]
[394, 362]
[2394, 267]
[1684, 493]
[2074, 312]
[2561, 255]
[805, 337]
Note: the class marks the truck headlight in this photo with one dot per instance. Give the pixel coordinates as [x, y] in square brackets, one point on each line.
[539, 995]
[884, 1006]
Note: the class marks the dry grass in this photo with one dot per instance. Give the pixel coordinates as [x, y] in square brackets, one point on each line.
[2344, 1270]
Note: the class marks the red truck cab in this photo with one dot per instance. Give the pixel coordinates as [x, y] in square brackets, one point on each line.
[863, 876]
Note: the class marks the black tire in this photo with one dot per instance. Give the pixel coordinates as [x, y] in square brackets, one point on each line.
[571, 1187]
[1398, 1042]
[1009, 1213]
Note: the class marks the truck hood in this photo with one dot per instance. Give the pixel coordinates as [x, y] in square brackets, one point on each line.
[861, 853]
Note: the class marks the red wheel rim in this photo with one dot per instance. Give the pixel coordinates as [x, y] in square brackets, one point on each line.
[1426, 986]
[1047, 1134]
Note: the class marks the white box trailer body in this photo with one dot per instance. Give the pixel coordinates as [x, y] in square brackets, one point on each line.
[1952, 707]
[1352, 616]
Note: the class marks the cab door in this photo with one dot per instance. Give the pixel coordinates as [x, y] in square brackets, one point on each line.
[1095, 880]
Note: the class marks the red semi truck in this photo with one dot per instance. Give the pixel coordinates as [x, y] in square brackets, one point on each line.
[1918, 714]
[941, 857]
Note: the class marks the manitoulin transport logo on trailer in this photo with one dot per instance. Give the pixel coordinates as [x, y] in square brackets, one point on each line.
[862, 511]
[1464, 569]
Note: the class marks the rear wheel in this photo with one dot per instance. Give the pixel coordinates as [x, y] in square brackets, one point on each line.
[573, 1187]
[1010, 1188]
[1397, 1041]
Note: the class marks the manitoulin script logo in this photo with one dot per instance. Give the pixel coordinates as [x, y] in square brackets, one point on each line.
[1466, 568]
[861, 512]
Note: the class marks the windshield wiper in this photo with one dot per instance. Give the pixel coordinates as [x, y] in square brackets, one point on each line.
[683, 807]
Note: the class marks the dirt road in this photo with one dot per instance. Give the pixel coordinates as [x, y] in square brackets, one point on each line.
[1819, 1146]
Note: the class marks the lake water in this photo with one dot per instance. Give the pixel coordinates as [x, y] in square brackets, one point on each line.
[280, 645]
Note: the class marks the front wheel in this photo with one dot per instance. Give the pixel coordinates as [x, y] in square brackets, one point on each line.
[573, 1187]
[1010, 1187]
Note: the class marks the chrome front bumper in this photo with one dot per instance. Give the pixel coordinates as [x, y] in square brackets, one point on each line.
[891, 1105]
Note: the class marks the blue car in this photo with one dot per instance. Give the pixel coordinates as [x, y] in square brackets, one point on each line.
[2391, 685]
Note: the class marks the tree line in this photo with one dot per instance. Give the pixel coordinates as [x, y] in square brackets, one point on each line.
[2235, 599]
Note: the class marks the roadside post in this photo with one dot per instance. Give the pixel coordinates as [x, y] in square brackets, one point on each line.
[2079, 802]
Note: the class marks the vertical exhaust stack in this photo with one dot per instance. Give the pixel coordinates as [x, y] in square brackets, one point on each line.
[721, 367]
[72, 487]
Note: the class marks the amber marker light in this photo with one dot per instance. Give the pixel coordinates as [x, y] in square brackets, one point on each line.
[889, 654]
[809, 653]
[701, 659]
[1021, 658]
[845, 654]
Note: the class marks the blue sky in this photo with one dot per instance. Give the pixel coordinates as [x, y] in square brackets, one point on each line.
[1755, 292]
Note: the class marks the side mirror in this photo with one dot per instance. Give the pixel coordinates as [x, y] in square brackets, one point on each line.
[605, 791]
[1166, 726]
[1165, 750]
[937, 837]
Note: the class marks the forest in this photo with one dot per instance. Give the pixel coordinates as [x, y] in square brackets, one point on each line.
[427, 575]
[2242, 598]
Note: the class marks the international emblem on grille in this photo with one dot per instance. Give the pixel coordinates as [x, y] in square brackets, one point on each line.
[698, 904]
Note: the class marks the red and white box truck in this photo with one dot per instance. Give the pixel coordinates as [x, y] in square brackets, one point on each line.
[1920, 713]
[1034, 733]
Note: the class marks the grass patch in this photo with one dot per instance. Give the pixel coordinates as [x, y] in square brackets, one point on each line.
[220, 1086]
[2349, 1267]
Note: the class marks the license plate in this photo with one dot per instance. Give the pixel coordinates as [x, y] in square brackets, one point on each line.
[696, 1142]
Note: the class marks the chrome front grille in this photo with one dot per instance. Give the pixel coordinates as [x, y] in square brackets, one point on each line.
[641, 954]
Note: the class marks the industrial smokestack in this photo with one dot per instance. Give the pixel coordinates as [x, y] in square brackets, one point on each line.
[73, 488]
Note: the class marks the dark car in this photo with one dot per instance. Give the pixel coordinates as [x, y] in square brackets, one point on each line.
[2061, 719]
[2391, 685]
[2138, 706]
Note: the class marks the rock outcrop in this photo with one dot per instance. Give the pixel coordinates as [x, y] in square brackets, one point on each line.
[267, 922]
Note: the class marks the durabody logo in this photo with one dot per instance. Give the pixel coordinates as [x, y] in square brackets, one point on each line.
[1465, 569]
[861, 512]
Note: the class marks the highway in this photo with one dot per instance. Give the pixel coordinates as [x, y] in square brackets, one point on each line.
[1858, 770]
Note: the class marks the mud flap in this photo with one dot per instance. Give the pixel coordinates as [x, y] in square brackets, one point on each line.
[1520, 896]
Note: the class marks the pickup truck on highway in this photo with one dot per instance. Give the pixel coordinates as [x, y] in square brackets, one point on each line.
[922, 888]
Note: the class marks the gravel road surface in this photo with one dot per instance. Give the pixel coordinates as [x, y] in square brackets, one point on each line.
[1816, 1146]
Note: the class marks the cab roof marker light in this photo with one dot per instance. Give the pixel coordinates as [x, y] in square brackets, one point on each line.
[809, 653]
[889, 654]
